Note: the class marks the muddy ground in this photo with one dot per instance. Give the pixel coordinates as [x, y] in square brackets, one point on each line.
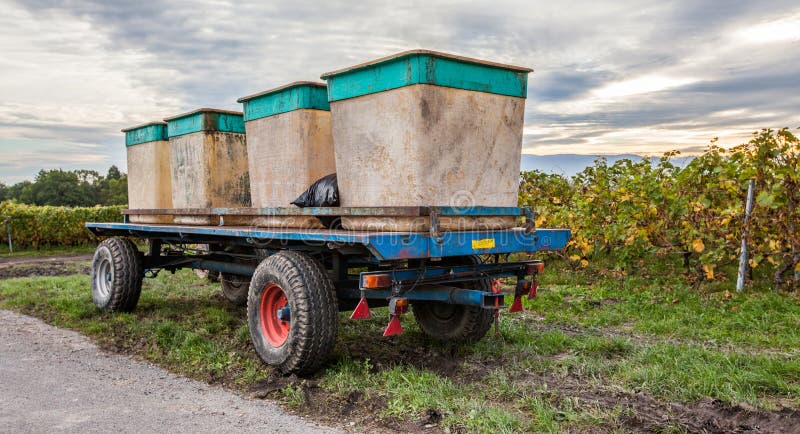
[44, 266]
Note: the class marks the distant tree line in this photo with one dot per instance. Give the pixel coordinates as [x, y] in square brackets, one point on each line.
[70, 188]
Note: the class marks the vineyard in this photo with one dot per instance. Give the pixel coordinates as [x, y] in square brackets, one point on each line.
[40, 226]
[630, 210]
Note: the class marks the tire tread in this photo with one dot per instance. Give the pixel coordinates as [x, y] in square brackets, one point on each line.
[315, 311]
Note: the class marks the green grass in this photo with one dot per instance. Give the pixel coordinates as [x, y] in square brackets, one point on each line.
[46, 251]
[665, 306]
[543, 373]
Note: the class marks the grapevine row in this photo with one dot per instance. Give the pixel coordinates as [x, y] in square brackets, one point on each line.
[628, 210]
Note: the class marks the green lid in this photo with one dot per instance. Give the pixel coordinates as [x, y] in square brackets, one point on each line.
[293, 96]
[149, 132]
[205, 119]
[427, 67]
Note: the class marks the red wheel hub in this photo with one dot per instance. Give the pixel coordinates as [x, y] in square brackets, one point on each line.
[273, 304]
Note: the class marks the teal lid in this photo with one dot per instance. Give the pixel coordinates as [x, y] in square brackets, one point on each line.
[293, 96]
[149, 132]
[205, 119]
[427, 67]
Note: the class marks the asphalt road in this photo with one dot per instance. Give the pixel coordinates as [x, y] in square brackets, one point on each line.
[54, 380]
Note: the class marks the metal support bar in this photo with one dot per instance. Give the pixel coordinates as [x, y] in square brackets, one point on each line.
[154, 249]
[434, 229]
[383, 246]
[339, 266]
[377, 211]
[530, 220]
[224, 267]
[410, 277]
[177, 262]
[444, 294]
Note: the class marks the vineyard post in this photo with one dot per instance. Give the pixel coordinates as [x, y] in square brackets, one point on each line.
[748, 208]
[8, 230]
[795, 253]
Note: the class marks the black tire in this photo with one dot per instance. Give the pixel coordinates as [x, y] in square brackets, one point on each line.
[117, 274]
[454, 322]
[312, 302]
[235, 288]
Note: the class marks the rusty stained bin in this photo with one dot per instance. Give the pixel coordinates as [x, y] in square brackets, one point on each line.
[208, 157]
[149, 185]
[426, 128]
[289, 146]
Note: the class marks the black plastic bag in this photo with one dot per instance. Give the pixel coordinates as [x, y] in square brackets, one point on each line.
[323, 192]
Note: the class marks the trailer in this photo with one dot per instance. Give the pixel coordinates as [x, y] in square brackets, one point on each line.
[294, 282]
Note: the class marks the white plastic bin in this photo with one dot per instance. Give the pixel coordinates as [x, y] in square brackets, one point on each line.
[208, 157]
[289, 146]
[149, 178]
[422, 128]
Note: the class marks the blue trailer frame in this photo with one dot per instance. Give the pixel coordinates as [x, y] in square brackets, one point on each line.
[352, 249]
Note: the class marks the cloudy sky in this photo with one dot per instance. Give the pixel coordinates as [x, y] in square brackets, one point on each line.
[611, 77]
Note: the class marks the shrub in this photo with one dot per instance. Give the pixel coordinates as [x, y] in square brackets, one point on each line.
[37, 226]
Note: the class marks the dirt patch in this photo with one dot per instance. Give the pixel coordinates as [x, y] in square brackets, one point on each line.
[53, 268]
[642, 412]
[43, 259]
[357, 410]
[62, 265]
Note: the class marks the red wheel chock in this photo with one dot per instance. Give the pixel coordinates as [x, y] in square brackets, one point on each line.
[362, 310]
[517, 305]
[394, 327]
[534, 287]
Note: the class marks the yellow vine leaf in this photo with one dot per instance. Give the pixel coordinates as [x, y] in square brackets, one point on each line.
[797, 267]
[584, 263]
[574, 258]
[698, 246]
[753, 263]
[709, 270]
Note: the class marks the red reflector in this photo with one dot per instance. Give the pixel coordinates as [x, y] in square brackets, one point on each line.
[377, 281]
[535, 268]
[517, 305]
[394, 327]
[362, 310]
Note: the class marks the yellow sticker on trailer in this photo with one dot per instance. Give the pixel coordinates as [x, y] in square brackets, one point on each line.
[486, 243]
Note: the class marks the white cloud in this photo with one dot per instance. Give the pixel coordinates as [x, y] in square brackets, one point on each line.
[640, 85]
[781, 30]
[63, 74]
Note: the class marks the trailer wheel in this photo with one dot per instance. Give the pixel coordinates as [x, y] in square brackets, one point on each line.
[292, 312]
[235, 288]
[453, 322]
[116, 275]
